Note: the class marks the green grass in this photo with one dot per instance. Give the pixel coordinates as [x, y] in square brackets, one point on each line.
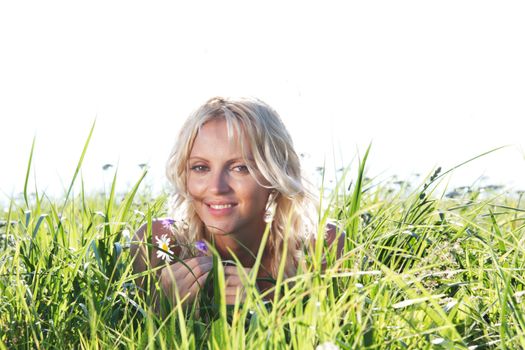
[420, 270]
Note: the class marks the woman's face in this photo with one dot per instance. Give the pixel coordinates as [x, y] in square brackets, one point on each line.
[225, 194]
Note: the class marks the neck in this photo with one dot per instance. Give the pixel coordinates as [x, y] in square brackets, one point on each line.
[229, 246]
[246, 255]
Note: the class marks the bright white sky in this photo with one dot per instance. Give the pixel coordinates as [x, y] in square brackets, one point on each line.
[430, 83]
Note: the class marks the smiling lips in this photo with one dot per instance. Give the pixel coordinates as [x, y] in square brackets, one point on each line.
[220, 208]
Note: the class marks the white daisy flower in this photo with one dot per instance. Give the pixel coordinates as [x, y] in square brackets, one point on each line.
[164, 251]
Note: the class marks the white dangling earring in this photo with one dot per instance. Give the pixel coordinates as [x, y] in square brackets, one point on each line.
[271, 205]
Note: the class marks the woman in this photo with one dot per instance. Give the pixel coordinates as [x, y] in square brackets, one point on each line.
[234, 170]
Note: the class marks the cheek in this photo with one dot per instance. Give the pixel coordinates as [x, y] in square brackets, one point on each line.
[258, 196]
[195, 187]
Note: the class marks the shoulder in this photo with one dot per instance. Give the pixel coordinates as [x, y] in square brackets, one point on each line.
[144, 246]
[335, 234]
[331, 232]
[160, 228]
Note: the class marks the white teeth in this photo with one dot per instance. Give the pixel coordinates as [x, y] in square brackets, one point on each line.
[220, 206]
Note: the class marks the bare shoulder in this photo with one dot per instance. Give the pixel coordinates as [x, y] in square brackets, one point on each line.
[333, 233]
[160, 228]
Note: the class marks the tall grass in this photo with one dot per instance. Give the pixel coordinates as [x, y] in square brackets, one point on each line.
[421, 269]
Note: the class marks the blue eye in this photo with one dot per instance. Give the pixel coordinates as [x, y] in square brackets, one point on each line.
[199, 168]
[241, 169]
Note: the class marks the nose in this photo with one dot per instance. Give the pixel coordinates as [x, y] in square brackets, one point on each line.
[219, 182]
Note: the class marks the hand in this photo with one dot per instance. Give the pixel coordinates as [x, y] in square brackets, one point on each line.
[234, 283]
[188, 279]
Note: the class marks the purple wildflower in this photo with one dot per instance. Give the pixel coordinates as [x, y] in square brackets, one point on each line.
[201, 247]
[167, 223]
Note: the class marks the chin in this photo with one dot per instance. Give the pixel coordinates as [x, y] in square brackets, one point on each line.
[219, 229]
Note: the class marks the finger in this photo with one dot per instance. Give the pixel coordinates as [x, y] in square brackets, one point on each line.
[233, 280]
[198, 284]
[232, 294]
[233, 290]
[234, 270]
[169, 274]
[230, 300]
[190, 289]
[197, 271]
[170, 286]
[182, 277]
[193, 262]
[177, 278]
[194, 267]
[200, 271]
[175, 272]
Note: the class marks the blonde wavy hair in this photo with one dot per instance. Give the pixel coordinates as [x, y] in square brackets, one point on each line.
[277, 167]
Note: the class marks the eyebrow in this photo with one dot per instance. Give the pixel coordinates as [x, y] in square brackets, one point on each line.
[250, 159]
